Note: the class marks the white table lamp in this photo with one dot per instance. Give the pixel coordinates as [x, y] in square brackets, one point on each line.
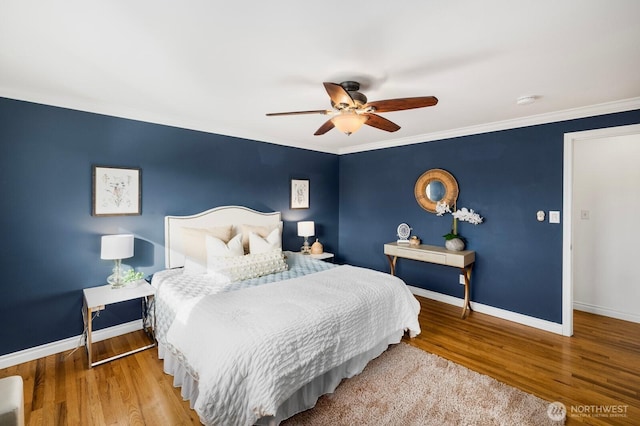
[306, 229]
[116, 248]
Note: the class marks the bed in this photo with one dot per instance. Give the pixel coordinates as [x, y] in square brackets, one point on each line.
[253, 334]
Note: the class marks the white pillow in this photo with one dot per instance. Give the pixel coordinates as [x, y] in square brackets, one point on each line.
[263, 231]
[258, 245]
[193, 240]
[218, 248]
[238, 268]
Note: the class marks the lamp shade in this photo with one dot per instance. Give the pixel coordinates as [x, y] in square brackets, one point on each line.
[306, 228]
[349, 122]
[118, 246]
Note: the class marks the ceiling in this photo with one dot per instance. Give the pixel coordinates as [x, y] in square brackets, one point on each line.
[220, 66]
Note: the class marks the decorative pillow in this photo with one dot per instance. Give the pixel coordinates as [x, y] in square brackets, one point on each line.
[195, 250]
[218, 248]
[263, 231]
[193, 267]
[238, 268]
[258, 245]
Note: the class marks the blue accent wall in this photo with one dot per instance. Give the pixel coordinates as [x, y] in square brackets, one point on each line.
[506, 176]
[50, 244]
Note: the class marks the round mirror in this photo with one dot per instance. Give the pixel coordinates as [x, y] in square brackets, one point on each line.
[435, 190]
[436, 185]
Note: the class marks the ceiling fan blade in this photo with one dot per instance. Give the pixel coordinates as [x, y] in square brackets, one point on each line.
[381, 123]
[403, 103]
[338, 95]
[319, 111]
[328, 125]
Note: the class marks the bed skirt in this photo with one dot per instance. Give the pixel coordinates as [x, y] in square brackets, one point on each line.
[303, 399]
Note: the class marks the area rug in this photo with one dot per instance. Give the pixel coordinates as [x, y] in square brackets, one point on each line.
[408, 386]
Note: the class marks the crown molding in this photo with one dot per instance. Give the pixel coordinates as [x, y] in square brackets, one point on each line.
[551, 117]
[150, 117]
[146, 116]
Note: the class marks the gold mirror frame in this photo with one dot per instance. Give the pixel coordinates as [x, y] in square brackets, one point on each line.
[450, 187]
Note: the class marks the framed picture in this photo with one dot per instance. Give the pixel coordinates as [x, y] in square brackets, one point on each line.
[299, 193]
[116, 191]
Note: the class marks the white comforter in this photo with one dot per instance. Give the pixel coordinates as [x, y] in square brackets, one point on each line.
[251, 349]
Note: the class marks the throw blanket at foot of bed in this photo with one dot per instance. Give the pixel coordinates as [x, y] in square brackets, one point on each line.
[251, 349]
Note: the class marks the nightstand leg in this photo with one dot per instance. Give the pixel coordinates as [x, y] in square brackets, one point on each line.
[88, 325]
[149, 317]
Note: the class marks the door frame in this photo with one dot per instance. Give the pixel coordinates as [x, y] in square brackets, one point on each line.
[570, 139]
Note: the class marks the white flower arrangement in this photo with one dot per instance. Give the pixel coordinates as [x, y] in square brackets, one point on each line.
[463, 215]
[132, 275]
[470, 216]
[442, 208]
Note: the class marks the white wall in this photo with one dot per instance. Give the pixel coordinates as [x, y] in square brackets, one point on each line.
[606, 188]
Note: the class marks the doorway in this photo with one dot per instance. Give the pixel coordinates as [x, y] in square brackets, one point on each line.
[575, 218]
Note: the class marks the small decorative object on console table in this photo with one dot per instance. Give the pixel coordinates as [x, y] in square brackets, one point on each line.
[434, 254]
[454, 241]
[403, 233]
[414, 241]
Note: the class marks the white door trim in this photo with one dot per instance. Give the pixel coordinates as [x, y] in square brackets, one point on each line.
[570, 139]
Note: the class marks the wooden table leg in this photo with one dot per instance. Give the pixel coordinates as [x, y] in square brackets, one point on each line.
[466, 307]
[392, 263]
[88, 316]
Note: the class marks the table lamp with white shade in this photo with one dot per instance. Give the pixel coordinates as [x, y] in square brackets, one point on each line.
[116, 248]
[306, 229]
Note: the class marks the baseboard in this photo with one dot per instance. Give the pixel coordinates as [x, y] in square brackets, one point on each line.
[42, 351]
[26, 355]
[607, 312]
[490, 310]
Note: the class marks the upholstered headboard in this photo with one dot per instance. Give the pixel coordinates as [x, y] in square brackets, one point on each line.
[219, 216]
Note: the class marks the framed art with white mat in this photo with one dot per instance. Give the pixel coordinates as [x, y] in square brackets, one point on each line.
[116, 191]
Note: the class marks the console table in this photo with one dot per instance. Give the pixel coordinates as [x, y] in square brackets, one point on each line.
[438, 255]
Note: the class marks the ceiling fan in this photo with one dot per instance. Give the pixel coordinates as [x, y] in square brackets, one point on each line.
[350, 109]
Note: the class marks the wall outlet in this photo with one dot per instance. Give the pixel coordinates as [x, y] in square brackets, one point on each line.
[554, 217]
[461, 279]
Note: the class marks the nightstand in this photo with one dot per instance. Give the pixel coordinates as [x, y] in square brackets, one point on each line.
[97, 298]
[323, 256]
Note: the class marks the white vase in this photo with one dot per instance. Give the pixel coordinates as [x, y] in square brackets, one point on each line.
[454, 244]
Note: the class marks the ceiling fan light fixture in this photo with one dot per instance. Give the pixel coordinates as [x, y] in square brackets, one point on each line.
[349, 122]
[350, 109]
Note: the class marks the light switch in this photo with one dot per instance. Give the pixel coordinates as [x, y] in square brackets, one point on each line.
[554, 216]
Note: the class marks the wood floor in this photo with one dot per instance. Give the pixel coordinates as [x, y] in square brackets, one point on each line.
[597, 368]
